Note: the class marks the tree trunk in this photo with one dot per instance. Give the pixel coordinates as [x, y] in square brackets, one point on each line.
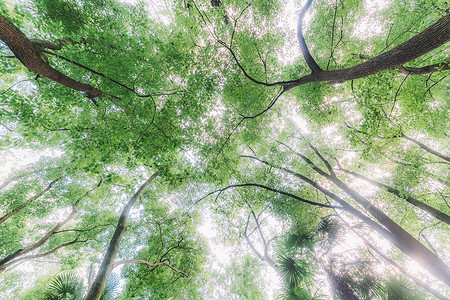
[386, 226]
[389, 260]
[402, 239]
[425, 207]
[20, 207]
[95, 291]
[30, 56]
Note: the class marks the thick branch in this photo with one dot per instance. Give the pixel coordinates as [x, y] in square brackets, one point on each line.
[95, 291]
[301, 40]
[30, 56]
[425, 70]
[141, 261]
[431, 38]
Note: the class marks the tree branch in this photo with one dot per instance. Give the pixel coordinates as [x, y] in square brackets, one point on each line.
[422, 205]
[30, 56]
[20, 207]
[141, 261]
[301, 40]
[37, 244]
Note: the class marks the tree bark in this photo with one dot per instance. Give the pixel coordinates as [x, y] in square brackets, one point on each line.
[97, 287]
[20, 207]
[425, 70]
[425, 207]
[30, 56]
[431, 38]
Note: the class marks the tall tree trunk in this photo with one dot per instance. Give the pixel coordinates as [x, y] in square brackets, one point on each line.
[30, 56]
[393, 263]
[97, 287]
[425, 207]
[388, 228]
[20, 207]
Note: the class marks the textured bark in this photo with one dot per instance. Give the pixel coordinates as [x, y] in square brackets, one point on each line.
[431, 38]
[30, 56]
[97, 287]
[20, 207]
[422, 205]
[4, 262]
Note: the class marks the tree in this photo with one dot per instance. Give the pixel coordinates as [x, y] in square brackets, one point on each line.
[116, 92]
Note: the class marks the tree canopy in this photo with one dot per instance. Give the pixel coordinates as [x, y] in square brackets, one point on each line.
[309, 140]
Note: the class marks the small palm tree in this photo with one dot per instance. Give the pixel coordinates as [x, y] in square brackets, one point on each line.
[70, 287]
[65, 286]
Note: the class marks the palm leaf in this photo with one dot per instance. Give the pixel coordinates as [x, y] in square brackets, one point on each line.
[64, 286]
[293, 271]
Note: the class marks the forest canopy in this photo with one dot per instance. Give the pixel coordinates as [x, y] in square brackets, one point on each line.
[224, 149]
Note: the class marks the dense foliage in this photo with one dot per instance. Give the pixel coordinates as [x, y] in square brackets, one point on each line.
[324, 167]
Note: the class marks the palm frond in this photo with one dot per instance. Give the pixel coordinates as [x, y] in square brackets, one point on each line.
[64, 286]
[293, 271]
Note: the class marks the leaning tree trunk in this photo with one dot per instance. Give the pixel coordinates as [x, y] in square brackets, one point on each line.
[97, 287]
[386, 226]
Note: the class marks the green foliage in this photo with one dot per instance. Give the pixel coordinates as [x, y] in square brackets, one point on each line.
[179, 102]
